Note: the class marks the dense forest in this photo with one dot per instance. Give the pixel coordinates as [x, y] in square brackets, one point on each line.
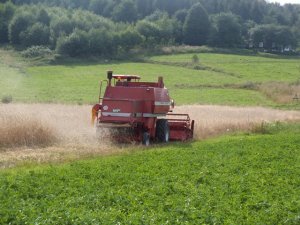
[108, 27]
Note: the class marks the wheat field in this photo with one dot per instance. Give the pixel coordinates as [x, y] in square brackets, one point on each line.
[54, 132]
[213, 120]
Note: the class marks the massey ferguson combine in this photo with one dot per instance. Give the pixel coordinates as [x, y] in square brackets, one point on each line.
[139, 111]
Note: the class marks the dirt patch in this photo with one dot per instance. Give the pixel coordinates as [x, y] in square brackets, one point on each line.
[62, 132]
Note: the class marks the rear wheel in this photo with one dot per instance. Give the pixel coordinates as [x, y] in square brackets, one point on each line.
[162, 130]
[146, 139]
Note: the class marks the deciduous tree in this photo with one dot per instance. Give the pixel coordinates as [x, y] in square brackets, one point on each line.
[196, 27]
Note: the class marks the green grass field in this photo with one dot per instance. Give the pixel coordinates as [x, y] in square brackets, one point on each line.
[223, 81]
[245, 68]
[241, 179]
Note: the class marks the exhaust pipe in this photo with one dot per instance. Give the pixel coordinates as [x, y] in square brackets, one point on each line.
[109, 77]
[161, 82]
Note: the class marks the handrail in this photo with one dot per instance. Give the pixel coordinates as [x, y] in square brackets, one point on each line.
[101, 89]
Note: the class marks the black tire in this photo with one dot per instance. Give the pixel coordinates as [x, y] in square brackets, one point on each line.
[162, 130]
[146, 139]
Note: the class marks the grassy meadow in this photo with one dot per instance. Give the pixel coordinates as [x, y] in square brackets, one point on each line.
[241, 179]
[217, 79]
[254, 68]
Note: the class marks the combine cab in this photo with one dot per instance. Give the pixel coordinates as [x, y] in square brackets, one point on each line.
[139, 111]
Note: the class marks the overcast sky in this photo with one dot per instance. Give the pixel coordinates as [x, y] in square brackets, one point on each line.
[285, 1]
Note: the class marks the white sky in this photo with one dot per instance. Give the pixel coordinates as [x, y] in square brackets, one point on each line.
[285, 1]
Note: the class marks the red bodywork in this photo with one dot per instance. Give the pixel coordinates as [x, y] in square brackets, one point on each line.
[138, 105]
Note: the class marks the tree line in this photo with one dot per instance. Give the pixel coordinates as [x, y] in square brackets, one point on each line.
[108, 27]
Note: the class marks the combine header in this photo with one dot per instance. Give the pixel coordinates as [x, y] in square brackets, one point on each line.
[141, 109]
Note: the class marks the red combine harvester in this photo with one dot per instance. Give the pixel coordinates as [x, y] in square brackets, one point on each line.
[142, 109]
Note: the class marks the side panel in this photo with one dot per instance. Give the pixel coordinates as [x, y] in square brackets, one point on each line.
[162, 101]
